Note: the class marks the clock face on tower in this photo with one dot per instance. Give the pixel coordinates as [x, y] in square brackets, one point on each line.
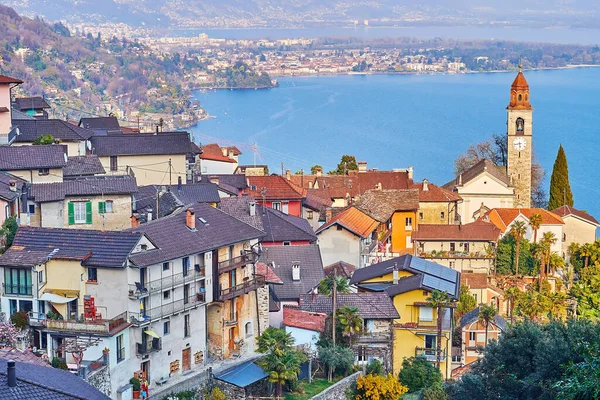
[520, 143]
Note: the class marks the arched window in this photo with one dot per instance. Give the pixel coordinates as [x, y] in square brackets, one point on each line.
[248, 329]
[526, 97]
[520, 125]
[520, 97]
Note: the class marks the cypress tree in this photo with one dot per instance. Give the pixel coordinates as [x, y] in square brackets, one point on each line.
[560, 188]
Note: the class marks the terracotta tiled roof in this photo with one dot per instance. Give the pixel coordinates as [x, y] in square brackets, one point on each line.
[270, 276]
[213, 152]
[22, 356]
[297, 318]
[503, 217]
[434, 193]
[381, 204]
[353, 220]
[277, 188]
[340, 268]
[474, 280]
[475, 231]
[520, 83]
[566, 210]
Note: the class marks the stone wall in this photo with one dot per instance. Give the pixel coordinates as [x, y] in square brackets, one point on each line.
[100, 379]
[337, 391]
[263, 308]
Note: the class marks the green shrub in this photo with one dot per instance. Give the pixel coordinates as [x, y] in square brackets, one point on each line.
[417, 373]
[434, 393]
[135, 382]
[375, 368]
[59, 363]
[20, 320]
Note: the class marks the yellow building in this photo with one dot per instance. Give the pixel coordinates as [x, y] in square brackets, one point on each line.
[35, 164]
[409, 281]
[154, 159]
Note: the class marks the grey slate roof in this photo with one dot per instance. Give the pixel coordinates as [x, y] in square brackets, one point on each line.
[175, 240]
[281, 258]
[32, 157]
[143, 144]
[473, 316]
[370, 305]
[91, 186]
[35, 382]
[197, 193]
[229, 183]
[145, 199]
[427, 275]
[83, 165]
[30, 103]
[106, 248]
[30, 130]
[100, 123]
[5, 192]
[277, 226]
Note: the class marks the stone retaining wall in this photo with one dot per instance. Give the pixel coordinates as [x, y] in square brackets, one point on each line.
[337, 391]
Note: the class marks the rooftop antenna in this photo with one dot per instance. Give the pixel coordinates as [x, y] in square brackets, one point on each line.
[520, 65]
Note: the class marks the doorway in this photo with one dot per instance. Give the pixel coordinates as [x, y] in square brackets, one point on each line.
[186, 359]
[145, 367]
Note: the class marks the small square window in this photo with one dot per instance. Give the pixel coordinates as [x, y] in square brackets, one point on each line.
[339, 227]
[92, 274]
[309, 215]
[44, 171]
[31, 209]
[167, 294]
[472, 335]
[287, 243]
[442, 215]
[166, 266]
[420, 215]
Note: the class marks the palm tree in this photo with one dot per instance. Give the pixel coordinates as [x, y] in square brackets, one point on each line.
[350, 322]
[439, 300]
[535, 221]
[275, 340]
[326, 285]
[557, 305]
[548, 239]
[282, 368]
[518, 231]
[585, 251]
[486, 317]
[511, 294]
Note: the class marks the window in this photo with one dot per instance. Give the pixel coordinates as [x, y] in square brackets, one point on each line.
[442, 215]
[186, 325]
[285, 206]
[41, 277]
[276, 205]
[287, 243]
[425, 314]
[466, 246]
[167, 328]
[408, 223]
[248, 329]
[452, 246]
[232, 309]
[186, 294]
[42, 307]
[92, 274]
[17, 281]
[44, 171]
[339, 227]
[472, 335]
[185, 264]
[120, 349]
[232, 280]
[166, 266]
[430, 341]
[475, 296]
[309, 215]
[80, 212]
[113, 163]
[452, 264]
[166, 294]
[420, 215]
[32, 209]
[408, 242]
[105, 206]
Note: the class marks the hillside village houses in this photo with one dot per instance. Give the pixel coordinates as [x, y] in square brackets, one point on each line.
[174, 257]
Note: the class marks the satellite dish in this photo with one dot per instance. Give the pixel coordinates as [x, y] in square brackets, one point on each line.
[88, 144]
[18, 131]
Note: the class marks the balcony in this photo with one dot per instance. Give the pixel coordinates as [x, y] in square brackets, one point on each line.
[456, 255]
[236, 262]
[167, 309]
[98, 327]
[246, 287]
[374, 337]
[17, 290]
[149, 346]
[429, 354]
[139, 291]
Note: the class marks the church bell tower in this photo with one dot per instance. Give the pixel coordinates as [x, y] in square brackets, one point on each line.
[519, 124]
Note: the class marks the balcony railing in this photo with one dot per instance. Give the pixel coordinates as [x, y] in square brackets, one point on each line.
[103, 326]
[149, 346]
[456, 254]
[17, 290]
[374, 337]
[167, 309]
[233, 263]
[429, 354]
[138, 291]
[246, 287]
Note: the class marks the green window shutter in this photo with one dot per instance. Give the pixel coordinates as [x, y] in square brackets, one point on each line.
[88, 212]
[71, 213]
[102, 207]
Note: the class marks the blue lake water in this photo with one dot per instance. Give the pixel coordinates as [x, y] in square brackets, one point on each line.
[397, 121]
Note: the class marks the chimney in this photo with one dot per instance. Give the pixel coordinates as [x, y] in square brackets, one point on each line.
[214, 179]
[288, 175]
[319, 171]
[395, 273]
[378, 186]
[230, 153]
[410, 172]
[190, 220]
[252, 208]
[362, 166]
[11, 373]
[157, 129]
[179, 183]
[149, 214]
[310, 185]
[481, 210]
[295, 271]
[12, 184]
[224, 151]
[425, 185]
[328, 214]
[460, 180]
[135, 221]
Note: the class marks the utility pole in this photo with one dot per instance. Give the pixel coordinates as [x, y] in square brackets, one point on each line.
[170, 175]
[334, 304]
[282, 169]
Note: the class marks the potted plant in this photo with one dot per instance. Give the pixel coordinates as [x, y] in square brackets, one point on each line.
[106, 350]
[135, 382]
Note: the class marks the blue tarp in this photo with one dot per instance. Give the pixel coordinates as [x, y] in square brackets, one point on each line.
[243, 375]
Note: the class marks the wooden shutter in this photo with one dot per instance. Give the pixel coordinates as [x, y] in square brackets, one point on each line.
[88, 212]
[71, 212]
[102, 207]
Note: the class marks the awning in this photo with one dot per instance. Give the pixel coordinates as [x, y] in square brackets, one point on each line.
[54, 298]
[152, 333]
[243, 375]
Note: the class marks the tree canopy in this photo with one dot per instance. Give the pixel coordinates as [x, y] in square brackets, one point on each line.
[560, 188]
[347, 163]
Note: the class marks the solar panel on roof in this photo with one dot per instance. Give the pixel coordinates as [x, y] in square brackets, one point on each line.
[449, 274]
[439, 284]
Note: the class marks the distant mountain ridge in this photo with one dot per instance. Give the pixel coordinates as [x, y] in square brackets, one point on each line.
[287, 13]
